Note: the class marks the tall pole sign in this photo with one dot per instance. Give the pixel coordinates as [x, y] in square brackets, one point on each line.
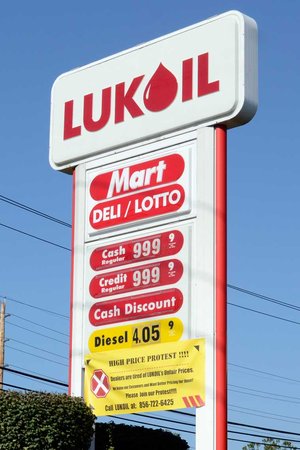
[144, 134]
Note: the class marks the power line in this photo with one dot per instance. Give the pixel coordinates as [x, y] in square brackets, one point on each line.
[39, 325]
[263, 313]
[239, 424]
[193, 432]
[17, 387]
[260, 435]
[35, 377]
[34, 236]
[36, 332]
[164, 420]
[29, 371]
[264, 297]
[36, 356]
[268, 415]
[34, 307]
[27, 208]
[263, 443]
[264, 372]
[37, 348]
[266, 396]
[153, 425]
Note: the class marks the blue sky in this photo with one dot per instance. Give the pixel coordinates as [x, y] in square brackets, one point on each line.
[39, 41]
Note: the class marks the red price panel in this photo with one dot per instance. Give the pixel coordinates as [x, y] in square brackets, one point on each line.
[134, 307]
[136, 250]
[134, 207]
[136, 278]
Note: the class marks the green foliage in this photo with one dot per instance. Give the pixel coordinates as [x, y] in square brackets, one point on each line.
[44, 421]
[270, 444]
[110, 436]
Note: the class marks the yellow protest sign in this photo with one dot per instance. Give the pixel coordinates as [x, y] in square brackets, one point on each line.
[153, 378]
[137, 334]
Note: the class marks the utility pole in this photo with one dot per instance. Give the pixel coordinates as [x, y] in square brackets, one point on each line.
[2, 341]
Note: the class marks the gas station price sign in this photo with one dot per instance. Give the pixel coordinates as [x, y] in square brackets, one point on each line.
[149, 239]
[129, 281]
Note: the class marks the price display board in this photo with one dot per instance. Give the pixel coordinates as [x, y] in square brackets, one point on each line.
[144, 279]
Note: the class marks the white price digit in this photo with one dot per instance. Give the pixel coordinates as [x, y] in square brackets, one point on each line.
[146, 276]
[171, 237]
[156, 246]
[137, 250]
[136, 278]
[171, 265]
[146, 248]
[155, 275]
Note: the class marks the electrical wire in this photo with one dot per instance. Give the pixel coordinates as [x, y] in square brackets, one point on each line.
[265, 373]
[27, 208]
[16, 387]
[35, 377]
[256, 427]
[34, 307]
[243, 410]
[29, 371]
[34, 236]
[36, 332]
[37, 348]
[36, 356]
[260, 435]
[265, 396]
[264, 392]
[263, 443]
[163, 419]
[153, 425]
[38, 324]
[193, 432]
[263, 313]
[264, 297]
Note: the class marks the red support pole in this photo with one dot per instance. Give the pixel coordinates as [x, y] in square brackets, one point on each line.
[221, 288]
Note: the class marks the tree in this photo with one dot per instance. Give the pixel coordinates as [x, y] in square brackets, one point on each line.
[270, 444]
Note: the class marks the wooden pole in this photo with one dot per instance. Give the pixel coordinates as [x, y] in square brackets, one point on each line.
[2, 341]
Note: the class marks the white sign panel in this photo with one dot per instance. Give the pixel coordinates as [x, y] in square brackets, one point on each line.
[204, 74]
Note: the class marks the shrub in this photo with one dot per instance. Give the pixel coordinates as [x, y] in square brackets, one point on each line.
[130, 437]
[44, 421]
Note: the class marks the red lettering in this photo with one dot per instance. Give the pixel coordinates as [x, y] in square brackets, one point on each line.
[69, 130]
[125, 100]
[95, 125]
[159, 93]
[204, 87]
[187, 79]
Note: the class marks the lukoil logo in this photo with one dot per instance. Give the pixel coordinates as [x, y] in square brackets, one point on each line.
[162, 89]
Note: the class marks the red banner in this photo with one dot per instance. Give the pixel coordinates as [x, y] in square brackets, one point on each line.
[155, 246]
[156, 303]
[136, 278]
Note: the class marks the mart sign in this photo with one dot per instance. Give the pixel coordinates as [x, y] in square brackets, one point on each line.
[140, 191]
[202, 75]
